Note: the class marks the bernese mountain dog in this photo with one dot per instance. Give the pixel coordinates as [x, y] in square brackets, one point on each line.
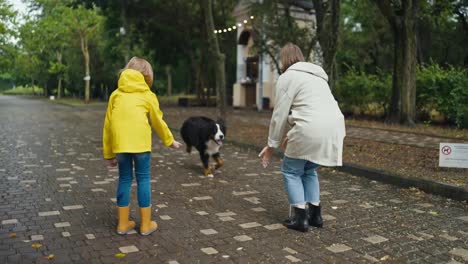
[207, 137]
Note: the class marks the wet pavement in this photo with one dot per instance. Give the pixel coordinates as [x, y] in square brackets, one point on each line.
[58, 205]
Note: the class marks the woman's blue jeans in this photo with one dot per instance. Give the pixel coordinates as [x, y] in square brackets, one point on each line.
[142, 175]
[301, 181]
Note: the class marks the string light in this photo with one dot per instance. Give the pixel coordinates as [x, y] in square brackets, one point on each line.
[233, 28]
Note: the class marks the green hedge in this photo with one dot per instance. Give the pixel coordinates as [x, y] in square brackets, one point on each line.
[442, 89]
[24, 90]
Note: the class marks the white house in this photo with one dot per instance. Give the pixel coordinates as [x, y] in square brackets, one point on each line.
[256, 74]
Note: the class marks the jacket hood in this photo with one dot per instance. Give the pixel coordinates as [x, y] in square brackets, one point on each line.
[309, 68]
[132, 81]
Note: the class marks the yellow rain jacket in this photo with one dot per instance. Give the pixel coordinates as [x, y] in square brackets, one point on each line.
[126, 127]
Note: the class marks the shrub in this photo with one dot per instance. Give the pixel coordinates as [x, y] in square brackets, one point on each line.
[360, 90]
[24, 90]
[443, 90]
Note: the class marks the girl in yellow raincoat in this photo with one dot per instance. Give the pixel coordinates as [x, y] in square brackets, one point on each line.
[131, 112]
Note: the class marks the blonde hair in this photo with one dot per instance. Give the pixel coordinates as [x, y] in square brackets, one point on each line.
[289, 55]
[142, 66]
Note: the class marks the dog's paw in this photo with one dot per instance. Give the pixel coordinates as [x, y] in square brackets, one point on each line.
[210, 175]
[207, 172]
[219, 163]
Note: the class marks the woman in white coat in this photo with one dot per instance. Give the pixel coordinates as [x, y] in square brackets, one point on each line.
[317, 129]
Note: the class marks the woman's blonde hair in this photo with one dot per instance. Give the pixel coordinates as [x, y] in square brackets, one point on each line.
[289, 55]
[142, 66]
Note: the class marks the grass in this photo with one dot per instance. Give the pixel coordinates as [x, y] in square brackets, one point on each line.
[24, 90]
[75, 102]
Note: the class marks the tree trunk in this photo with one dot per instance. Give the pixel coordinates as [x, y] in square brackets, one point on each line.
[169, 80]
[219, 62]
[408, 66]
[328, 27]
[402, 21]
[59, 88]
[84, 49]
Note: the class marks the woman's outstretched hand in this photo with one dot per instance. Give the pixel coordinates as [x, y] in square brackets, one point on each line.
[175, 145]
[265, 155]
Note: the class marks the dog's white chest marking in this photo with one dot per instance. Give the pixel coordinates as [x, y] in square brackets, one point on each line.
[211, 147]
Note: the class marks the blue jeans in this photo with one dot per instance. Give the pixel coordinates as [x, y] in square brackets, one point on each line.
[301, 181]
[142, 175]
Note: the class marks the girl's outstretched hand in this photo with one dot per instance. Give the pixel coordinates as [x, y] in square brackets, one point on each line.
[265, 155]
[175, 145]
[111, 162]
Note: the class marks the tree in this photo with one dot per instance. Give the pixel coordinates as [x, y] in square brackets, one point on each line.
[277, 26]
[84, 23]
[219, 59]
[327, 13]
[401, 15]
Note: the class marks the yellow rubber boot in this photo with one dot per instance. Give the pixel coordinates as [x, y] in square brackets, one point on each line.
[124, 224]
[147, 226]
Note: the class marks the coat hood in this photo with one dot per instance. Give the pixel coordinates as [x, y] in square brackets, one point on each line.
[309, 68]
[132, 81]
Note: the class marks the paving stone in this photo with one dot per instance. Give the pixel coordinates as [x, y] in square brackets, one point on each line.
[209, 251]
[208, 232]
[460, 252]
[9, 222]
[66, 234]
[98, 190]
[226, 214]
[202, 213]
[464, 218]
[290, 250]
[325, 193]
[28, 181]
[62, 224]
[448, 237]
[254, 200]
[258, 209]
[73, 207]
[37, 237]
[173, 262]
[202, 198]
[49, 213]
[64, 178]
[250, 225]
[425, 205]
[375, 239]
[242, 238]
[292, 258]
[397, 201]
[328, 217]
[339, 201]
[161, 205]
[90, 236]
[274, 226]
[244, 193]
[226, 219]
[338, 248]
[190, 184]
[128, 249]
[165, 217]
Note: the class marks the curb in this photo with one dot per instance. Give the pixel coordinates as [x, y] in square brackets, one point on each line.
[428, 186]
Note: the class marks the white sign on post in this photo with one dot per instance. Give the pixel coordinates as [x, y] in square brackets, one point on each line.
[453, 155]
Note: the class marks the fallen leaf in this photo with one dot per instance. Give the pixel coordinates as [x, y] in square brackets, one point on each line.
[385, 257]
[50, 256]
[36, 245]
[120, 255]
[13, 235]
[433, 213]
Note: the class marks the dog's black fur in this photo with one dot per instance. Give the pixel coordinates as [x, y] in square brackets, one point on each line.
[203, 134]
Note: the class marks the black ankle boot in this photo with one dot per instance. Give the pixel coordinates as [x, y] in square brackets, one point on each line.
[315, 215]
[299, 221]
